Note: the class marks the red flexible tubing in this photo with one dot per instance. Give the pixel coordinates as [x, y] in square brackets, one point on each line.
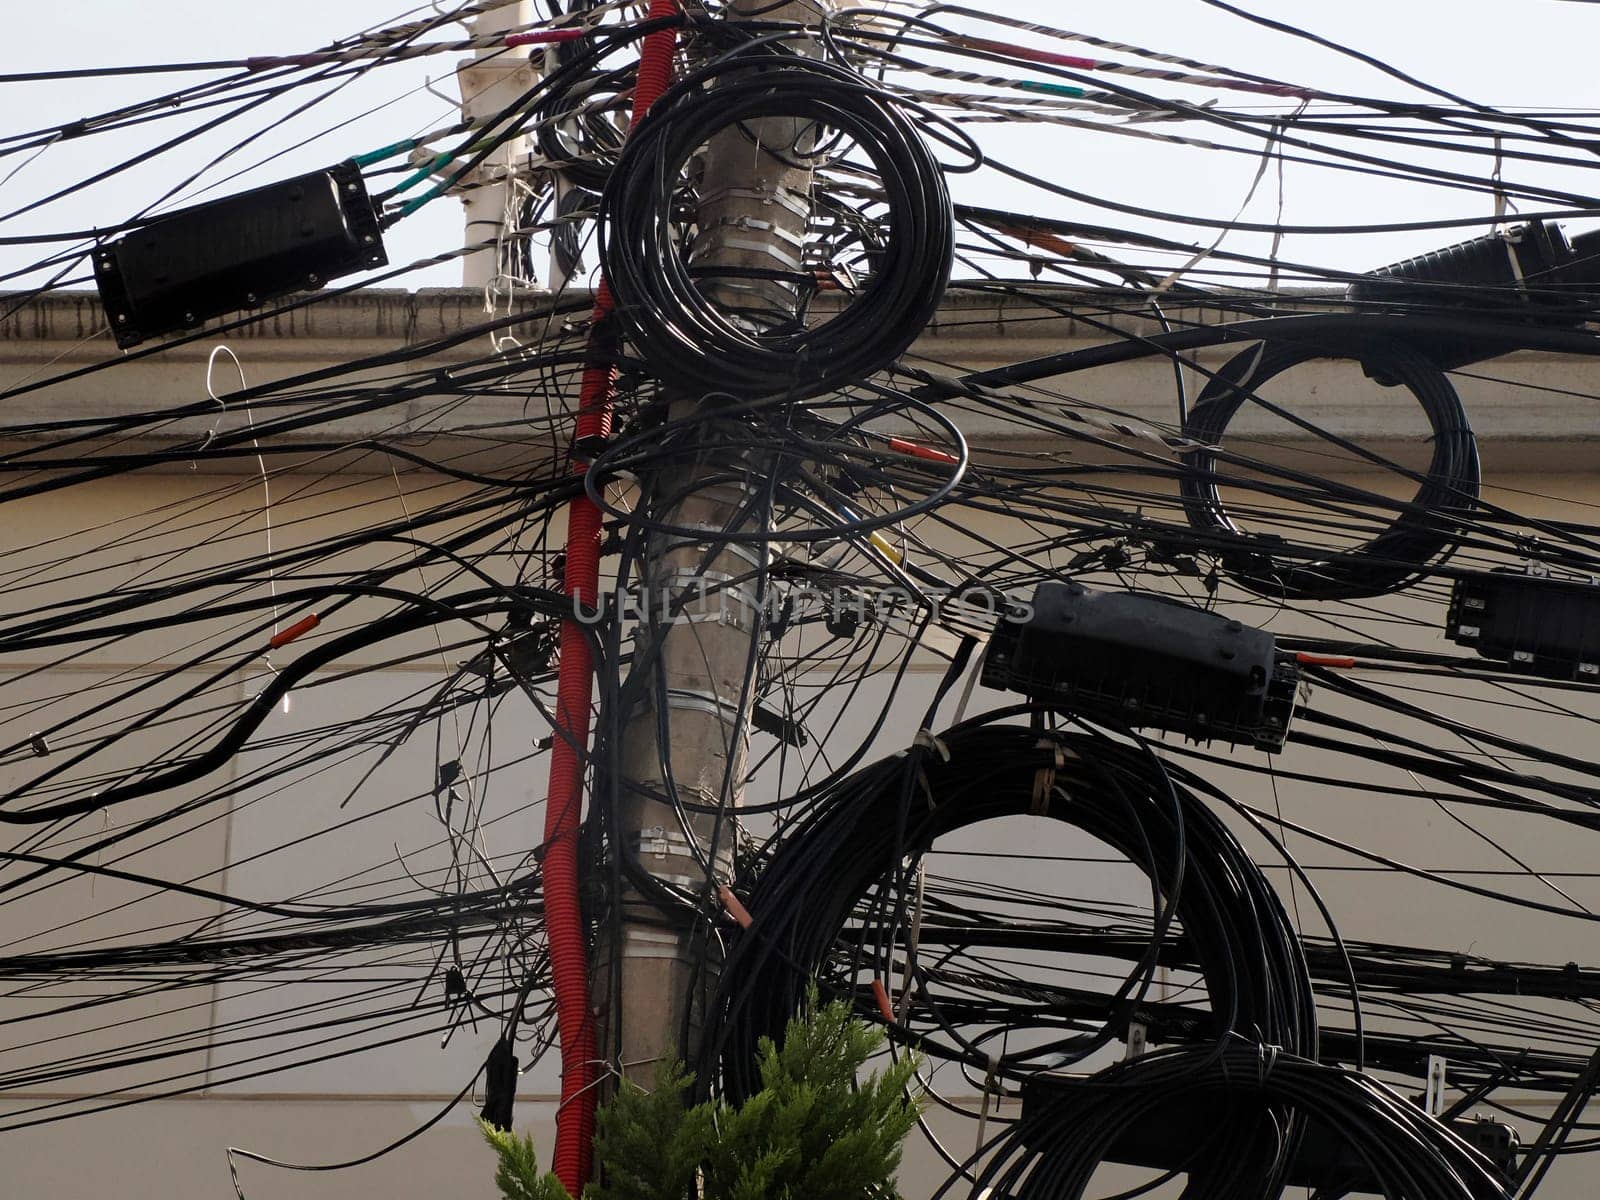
[569, 958]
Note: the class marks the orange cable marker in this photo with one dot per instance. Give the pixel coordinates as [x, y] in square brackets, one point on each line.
[304, 625]
[901, 446]
[881, 994]
[1042, 238]
[735, 909]
[1049, 241]
[1323, 660]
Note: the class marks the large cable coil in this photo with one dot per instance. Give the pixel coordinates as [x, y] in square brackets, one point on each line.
[1392, 1146]
[842, 862]
[689, 341]
[1426, 528]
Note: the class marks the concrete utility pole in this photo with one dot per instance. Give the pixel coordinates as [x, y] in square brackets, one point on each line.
[753, 213]
[490, 81]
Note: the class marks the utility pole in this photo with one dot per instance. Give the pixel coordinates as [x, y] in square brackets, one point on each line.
[490, 82]
[753, 213]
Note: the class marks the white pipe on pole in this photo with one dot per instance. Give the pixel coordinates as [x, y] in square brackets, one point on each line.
[491, 81]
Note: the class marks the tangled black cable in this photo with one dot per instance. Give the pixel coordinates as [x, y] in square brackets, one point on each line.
[854, 841]
[1427, 527]
[1068, 1131]
[578, 130]
[766, 438]
[675, 327]
[425, 612]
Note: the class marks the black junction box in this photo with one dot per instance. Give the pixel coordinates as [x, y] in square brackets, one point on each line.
[1146, 662]
[1545, 626]
[185, 267]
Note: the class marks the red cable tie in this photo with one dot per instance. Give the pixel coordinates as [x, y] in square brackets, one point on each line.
[1049, 58]
[735, 909]
[304, 625]
[900, 445]
[542, 37]
[881, 995]
[1072, 61]
[1324, 660]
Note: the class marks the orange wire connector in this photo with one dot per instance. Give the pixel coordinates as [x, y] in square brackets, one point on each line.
[304, 625]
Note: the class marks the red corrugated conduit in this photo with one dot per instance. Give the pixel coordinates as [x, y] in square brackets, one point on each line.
[569, 958]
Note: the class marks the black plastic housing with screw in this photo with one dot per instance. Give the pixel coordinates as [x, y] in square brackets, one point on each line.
[1529, 273]
[1540, 625]
[185, 267]
[1146, 662]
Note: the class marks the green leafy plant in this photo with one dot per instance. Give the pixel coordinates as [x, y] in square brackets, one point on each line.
[650, 1144]
[517, 1175]
[813, 1132]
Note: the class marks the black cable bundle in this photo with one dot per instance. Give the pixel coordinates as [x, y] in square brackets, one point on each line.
[686, 340]
[578, 130]
[1426, 529]
[1395, 1147]
[861, 833]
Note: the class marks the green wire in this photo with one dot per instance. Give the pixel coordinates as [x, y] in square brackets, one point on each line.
[383, 152]
[1053, 89]
[422, 173]
[439, 188]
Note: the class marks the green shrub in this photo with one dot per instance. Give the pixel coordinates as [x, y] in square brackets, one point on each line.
[811, 1133]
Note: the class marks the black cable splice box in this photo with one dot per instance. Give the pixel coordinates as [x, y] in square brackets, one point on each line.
[1529, 274]
[185, 267]
[1548, 627]
[1147, 662]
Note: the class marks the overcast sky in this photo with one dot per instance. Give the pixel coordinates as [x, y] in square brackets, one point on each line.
[1535, 54]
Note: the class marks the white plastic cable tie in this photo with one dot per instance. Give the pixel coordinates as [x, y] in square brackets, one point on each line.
[1266, 1061]
[908, 984]
[988, 1092]
[928, 741]
[1044, 779]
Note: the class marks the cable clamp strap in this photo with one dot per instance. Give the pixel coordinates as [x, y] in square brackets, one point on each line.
[661, 842]
[708, 702]
[927, 741]
[1267, 1058]
[651, 944]
[1044, 779]
[988, 1092]
[1512, 239]
[796, 202]
[589, 447]
[1138, 1038]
